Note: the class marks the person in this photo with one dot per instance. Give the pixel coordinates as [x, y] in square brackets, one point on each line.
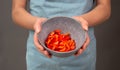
[88, 12]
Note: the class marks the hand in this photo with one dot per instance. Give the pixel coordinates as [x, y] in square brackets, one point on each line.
[37, 28]
[84, 24]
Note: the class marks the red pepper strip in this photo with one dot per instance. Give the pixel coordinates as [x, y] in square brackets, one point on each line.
[63, 49]
[72, 45]
[67, 46]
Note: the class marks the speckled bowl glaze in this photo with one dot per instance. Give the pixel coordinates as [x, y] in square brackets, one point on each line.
[65, 24]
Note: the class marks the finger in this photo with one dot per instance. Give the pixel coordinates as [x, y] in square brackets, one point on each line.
[37, 26]
[39, 47]
[78, 52]
[38, 23]
[84, 45]
[37, 44]
[84, 23]
[87, 42]
[47, 54]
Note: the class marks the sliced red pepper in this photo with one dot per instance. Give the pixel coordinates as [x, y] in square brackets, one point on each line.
[60, 42]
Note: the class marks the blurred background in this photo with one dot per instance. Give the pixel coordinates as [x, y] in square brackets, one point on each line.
[13, 40]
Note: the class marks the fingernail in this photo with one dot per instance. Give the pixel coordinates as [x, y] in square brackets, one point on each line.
[37, 30]
[86, 28]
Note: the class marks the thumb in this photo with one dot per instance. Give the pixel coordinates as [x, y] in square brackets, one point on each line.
[84, 26]
[84, 23]
[37, 26]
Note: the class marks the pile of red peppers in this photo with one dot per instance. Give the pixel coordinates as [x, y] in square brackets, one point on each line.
[60, 42]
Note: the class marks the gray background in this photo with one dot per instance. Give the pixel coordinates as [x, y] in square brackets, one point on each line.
[13, 40]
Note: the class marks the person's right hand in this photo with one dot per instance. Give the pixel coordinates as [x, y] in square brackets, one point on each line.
[37, 28]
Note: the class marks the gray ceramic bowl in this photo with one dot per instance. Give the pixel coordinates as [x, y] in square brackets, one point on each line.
[65, 24]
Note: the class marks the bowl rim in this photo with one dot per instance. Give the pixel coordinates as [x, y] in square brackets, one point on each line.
[59, 17]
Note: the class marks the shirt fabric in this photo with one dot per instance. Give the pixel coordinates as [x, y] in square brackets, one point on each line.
[51, 8]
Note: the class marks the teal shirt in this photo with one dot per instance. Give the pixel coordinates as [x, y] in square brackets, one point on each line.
[51, 8]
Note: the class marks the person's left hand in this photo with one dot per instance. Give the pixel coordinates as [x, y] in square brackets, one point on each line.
[37, 29]
[84, 24]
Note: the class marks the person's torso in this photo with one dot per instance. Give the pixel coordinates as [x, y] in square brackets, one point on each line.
[51, 8]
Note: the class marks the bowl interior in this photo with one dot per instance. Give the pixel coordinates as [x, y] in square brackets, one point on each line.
[66, 25]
